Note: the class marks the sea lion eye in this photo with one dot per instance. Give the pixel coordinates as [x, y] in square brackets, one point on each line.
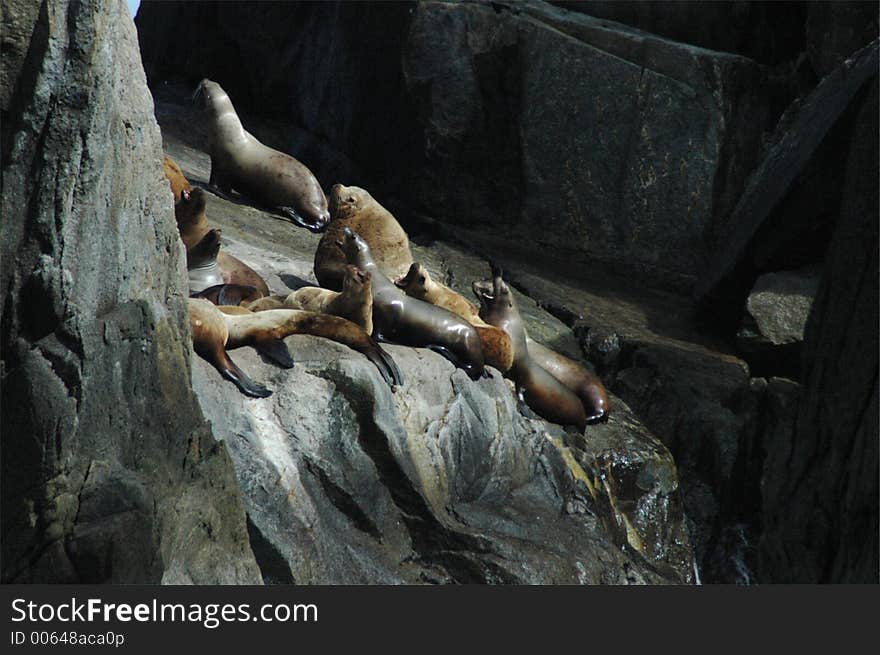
[350, 199]
[421, 279]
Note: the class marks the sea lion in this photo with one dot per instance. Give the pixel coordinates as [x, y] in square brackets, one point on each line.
[576, 377]
[412, 322]
[192, 223]
[216, 329]
[271, 178]
[176, 178]
[496, 343]
[548, 397]
[355, 208]
[354, 302]
[269, 302]
[210, 336]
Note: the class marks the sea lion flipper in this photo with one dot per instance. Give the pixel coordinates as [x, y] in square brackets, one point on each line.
[473, 372]
[396, 376]
[248, 387]
[275, 350]
[294, 216]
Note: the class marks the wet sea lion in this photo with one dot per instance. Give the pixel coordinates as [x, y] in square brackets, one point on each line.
[496, 343]
[216, 329]
[354, 302]
[192, 223]
[269, 177]
[543, 393]
[230, 294]
[176, 178]
[412, 322]
[355, 208]
[576, 377]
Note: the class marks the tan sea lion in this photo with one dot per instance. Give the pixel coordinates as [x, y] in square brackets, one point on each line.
[176, 178]
[269, 177]
[269, 302]
[192, 223]
[216, 329]
[355, 208]
[354, 302]
[496, 343]
[543, 393]
[413, 322]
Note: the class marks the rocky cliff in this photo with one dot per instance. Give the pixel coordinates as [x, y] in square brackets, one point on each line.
[109, 470]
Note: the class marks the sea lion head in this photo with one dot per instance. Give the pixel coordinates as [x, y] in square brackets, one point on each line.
[353, 246]
[347, 201]
[496, 299]
[190, 207]
[415, 282]
[356, 280]
[210, 96]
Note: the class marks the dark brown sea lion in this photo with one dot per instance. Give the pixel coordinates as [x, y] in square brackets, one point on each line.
[216, 329]
[496, 343]
[412, 322]
[576, 377]
[548, 397]
[355, 208]
[354, 302]
[192, 223]
[240, 162]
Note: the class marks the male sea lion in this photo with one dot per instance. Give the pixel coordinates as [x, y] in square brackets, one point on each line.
[412, 322]
[355, 208]
[175, 176]
[216, 329]
[548, 397]
[192, 223]
[496, 343]
[354, 302]
[269, 177]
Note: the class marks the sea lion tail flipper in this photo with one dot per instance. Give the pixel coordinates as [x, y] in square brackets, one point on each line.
[275, 350]
[248, 387]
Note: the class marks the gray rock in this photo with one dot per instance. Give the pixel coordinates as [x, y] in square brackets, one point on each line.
[780, 303]
[835, 30]
[109, 471]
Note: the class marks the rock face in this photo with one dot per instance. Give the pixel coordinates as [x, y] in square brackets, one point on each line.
[588, 140]
[443, 481]
[109, 471]
[821, 521]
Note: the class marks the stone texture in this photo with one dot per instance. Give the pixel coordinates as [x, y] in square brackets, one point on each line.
[788, 210]
[780, 303]
[821, 521]
[835, 30]
[109, 472]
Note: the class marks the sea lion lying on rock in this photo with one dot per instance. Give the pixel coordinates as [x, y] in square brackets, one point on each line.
[496, 343]
[354, 208]
[354, 302]
[543, 393]
[267, 176]
[217, 329]
[412, 322]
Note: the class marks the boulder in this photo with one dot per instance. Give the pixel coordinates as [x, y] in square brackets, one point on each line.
[772, 334]
[109, 471]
